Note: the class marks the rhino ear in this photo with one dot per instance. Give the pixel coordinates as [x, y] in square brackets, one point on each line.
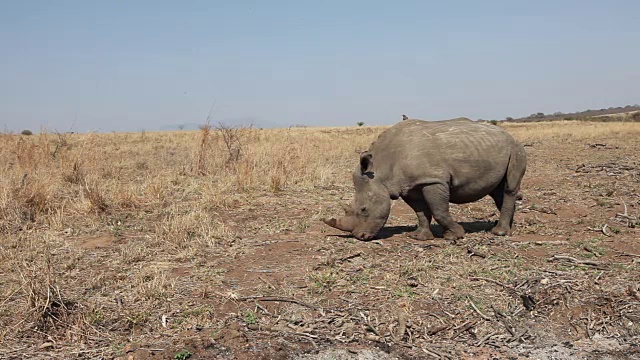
[366, 162]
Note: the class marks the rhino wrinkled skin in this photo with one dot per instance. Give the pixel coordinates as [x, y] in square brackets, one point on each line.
[430, 164]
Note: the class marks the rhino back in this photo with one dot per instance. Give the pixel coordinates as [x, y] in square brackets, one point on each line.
[469, 155]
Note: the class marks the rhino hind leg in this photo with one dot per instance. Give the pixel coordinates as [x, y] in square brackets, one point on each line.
[416, 201]
[506, 194]
[507, 210]
[506, 217]
[437, 198]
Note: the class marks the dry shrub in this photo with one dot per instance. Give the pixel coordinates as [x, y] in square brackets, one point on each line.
[76, 175]
[32, 153]
[201, 164]
[235, 139]
[97, 201]
[45, 307]
[243, 171]
[26, 200]
[278, 177]
[153, 285]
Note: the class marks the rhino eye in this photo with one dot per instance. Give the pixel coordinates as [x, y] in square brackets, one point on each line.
[363, 209]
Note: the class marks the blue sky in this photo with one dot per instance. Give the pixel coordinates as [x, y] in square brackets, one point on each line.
[130, 65]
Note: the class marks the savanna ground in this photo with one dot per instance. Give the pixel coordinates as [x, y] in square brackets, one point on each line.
[173, 245]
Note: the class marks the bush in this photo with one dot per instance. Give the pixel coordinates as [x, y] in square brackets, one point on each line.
[26, 132]
[494, 122]
[360, 123]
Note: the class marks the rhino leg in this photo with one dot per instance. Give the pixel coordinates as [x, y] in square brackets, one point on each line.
[506, 194]
[498, 197]
[416, 201]
[507, 206]
[437, 197]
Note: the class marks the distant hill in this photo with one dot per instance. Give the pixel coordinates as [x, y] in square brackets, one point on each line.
[613, 113]
[232, 122]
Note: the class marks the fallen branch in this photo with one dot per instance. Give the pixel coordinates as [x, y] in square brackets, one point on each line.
[633, 292]
[278, 299]
[402, 326]
[464, 327]
[478, 310]
[368, 324]
[628, 254]
[437, 329]
[575, 261]
[508, 287]
[632, 221]
[349, 257]
[520, 335]
[603, 230]
[484, 339]
[541, 243]
[434, 353]
[471, 251]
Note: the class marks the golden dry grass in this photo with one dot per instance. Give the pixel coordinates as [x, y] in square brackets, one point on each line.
[93, 227]
[572, 130]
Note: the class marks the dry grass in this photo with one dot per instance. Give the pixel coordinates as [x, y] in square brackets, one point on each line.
[572, 130]
[103, 234]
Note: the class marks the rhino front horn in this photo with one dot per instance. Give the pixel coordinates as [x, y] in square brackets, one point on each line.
[340, 224]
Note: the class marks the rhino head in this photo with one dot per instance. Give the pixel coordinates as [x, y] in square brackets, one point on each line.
[370, 209]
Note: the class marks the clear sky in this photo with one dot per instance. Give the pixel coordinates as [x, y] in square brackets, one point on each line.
[130, 65]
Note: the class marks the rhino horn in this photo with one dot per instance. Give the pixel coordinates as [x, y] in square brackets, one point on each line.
[347, 209]
[343, 223]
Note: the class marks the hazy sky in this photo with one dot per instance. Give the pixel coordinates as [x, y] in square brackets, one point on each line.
[129, 65]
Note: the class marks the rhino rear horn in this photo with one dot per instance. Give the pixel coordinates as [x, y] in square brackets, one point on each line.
[348, 210]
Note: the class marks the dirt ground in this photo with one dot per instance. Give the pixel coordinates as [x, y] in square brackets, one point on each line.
[276, 283]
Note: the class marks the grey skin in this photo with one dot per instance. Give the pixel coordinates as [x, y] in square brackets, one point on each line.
[430, 164]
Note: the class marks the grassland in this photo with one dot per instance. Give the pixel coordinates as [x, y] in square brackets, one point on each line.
[158, 245]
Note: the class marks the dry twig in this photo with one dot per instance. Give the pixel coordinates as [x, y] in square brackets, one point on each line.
[280, 299]
[478, 311]
[575, 261]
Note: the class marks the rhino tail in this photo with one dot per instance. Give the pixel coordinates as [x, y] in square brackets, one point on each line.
[516, 169]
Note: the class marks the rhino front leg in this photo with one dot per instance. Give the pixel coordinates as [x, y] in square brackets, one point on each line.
[437, 197]
[416, 201]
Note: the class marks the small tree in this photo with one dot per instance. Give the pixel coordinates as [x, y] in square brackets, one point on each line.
[509, 118]
[234, 139]
[360, 123]
[26, 132]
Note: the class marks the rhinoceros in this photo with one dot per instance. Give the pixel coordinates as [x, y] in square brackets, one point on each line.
[430, 164]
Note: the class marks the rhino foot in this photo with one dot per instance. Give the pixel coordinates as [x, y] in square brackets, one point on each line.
[500, 231]
[421, 235]
[454, 234]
